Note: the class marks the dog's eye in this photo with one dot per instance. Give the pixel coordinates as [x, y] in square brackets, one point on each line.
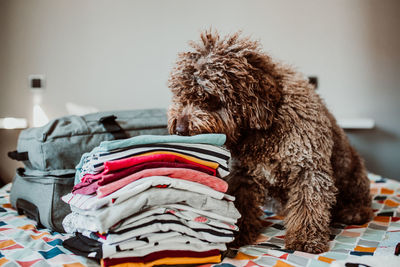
[213, 103]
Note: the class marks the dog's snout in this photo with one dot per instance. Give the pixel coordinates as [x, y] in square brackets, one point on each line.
[182, 126]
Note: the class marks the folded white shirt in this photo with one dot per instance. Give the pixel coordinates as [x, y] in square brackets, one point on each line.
[102, 219]
[92, 202]
[183, 212]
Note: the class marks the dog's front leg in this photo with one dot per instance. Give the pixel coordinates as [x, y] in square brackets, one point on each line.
[308, 212]
[249, 198]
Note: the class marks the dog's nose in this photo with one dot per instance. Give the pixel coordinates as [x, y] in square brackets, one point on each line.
[182, 126]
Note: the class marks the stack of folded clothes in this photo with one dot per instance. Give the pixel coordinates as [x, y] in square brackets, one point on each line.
[152, 200]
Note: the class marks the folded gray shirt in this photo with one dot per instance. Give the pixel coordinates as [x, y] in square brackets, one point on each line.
[102, 219]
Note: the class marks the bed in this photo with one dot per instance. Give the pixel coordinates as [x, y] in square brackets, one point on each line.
[374, 243]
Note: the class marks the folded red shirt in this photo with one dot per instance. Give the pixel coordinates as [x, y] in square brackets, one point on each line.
[124, 167]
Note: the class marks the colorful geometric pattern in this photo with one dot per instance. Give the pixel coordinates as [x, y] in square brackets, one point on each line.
[22, 244]
[378, 237]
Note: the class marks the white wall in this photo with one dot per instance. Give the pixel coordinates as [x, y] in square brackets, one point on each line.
[118, 54]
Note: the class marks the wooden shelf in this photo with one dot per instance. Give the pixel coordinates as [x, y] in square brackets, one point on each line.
[358, 123]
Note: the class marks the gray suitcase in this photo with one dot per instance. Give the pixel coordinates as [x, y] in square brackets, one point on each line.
[60, 144]
[50, 154]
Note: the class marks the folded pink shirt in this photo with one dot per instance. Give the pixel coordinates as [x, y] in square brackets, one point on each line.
[91, 182]
[127, 162]
[179, 173]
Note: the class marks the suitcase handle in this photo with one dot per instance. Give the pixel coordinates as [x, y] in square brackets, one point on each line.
[19, 156]
[29, 210]
[113, 127]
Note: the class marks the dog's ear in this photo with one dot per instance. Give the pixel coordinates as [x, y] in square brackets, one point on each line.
[267, 93]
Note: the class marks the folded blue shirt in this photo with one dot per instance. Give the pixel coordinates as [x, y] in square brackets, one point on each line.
[212, 139]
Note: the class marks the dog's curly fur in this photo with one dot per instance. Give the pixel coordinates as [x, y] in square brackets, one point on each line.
[284, 142]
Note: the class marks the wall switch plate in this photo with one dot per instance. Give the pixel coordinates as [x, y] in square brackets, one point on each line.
[313, 80]
[36, 81]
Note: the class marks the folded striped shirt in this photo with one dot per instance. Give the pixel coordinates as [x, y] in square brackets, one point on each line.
[166, 223]
[183, 212]
[102, 219]
[105, 146]
[115, 235]
[145, 250]
[112, 250]
[91, 246]
[218, 155]
[172, 254]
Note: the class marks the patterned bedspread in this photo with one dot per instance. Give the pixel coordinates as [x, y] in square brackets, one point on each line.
[22, 244]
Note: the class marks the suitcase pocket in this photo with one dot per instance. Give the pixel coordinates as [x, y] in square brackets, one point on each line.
[39, 197]
[29, 210]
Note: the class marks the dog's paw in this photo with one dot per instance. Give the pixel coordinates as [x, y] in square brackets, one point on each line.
[308, 246]
[354, 215]
[244, 238]
[314, 245]
[237, 243]
[250, 226]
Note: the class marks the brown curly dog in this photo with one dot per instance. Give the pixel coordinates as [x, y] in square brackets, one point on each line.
[284, 142]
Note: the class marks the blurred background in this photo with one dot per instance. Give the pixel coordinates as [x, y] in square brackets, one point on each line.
[97, 55]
